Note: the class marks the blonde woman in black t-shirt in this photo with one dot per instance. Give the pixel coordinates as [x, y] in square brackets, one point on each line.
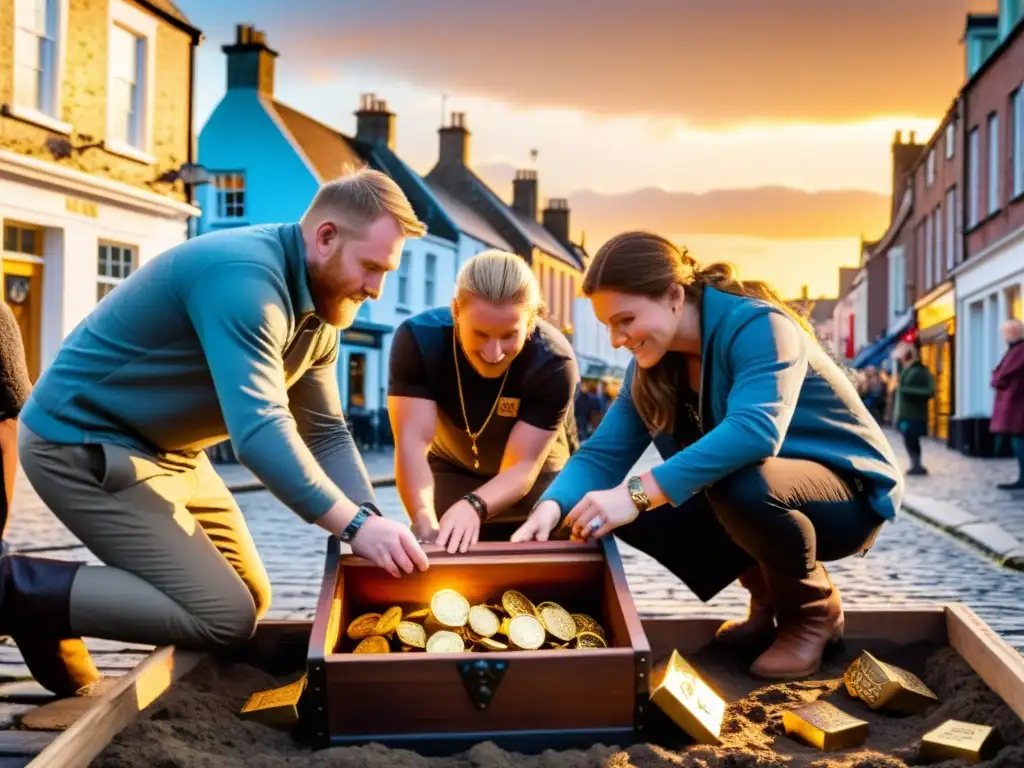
[480, 396]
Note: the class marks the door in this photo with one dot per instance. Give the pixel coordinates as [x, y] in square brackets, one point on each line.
[23, 286]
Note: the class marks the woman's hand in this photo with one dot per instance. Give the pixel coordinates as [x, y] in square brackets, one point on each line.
[460, 527]
[541, 522]
[601, 512]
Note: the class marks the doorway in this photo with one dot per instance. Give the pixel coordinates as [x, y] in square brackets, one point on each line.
[23, 286]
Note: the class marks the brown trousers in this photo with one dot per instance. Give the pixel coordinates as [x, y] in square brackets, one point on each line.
[180, 566]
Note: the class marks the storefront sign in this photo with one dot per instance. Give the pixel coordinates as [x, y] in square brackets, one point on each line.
[82, 207]
[937, 310]
[354, 338]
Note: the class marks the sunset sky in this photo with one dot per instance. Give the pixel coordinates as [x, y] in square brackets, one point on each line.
[761, 130]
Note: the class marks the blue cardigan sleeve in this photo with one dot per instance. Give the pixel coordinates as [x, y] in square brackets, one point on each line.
[604, 459]
[767, 360]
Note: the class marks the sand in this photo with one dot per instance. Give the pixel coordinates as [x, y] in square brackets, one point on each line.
[195, 725]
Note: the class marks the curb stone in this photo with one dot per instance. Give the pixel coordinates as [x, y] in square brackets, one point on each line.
[989, 538]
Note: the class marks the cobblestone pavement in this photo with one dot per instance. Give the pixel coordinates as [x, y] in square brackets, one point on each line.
[911, 564]
[380, 466]
[967, 482]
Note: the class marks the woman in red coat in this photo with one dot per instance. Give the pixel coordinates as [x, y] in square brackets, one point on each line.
[1008, 382]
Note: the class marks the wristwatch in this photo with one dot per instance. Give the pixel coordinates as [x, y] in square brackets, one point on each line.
[366, 509]
[641, 500]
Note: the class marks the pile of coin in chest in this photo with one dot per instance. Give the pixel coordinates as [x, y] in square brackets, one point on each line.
[450, 624]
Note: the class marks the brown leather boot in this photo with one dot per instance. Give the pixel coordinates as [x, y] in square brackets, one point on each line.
[810, 616]
[35, 597]
[759, 625]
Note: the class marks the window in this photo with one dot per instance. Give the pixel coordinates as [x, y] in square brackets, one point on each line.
[1017, 148]
[430, 281]
[938, 229]
[974, 179]
[127, 55]
[993, 163]
[24, 239]
[403, 279]
[930, 170]
[116, 262]
[951, 233]
[950, 139]
[897, 283]
[230, 195]
[1013, 303]
[36, 57]
[929, 249]
[130, 81]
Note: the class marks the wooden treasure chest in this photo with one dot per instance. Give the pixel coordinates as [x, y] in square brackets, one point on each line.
[502, 677]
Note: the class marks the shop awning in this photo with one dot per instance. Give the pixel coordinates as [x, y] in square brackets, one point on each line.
[875, 354]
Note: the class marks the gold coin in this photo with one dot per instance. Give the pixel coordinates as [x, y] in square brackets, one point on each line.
[556, 646]
[363, 626]
[411, 633]
[389, 620]
[497, 610]
[589, 640]
[558, 622]
[445, 641]
[372, 644]
[432, 625]
[419, 615]
[517, 604]
[585, 623]
[526, 632]
[541, 606]
[449, 608]
[483, 621]
[491, 644]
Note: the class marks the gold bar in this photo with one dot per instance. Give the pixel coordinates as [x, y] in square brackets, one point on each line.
[824, 726]
[278, 707]
[957, 740]
[684, 696]
[884, 686]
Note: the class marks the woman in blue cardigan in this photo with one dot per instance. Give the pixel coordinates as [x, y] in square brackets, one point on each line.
[772, 462]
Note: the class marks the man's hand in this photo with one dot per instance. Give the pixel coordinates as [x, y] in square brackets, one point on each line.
[460, 527]
[425, 526]
[389, 545]
[539, 525]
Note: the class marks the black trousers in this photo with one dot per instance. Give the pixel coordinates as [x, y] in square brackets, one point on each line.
[452, 483]
[788, 514]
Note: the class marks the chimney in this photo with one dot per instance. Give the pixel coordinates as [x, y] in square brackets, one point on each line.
[524, 194]
[374, 123]
[556, 218]
[904, 157]
[250, 60]
[455, 141]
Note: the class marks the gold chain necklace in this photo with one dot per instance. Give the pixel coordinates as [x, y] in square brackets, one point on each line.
[462, 401]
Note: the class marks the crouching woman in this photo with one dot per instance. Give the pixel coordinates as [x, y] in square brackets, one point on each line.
[772, 463]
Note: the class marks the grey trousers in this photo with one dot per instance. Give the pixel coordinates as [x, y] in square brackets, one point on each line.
[180, 566]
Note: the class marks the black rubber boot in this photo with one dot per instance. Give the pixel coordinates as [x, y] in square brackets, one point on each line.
[35, 597]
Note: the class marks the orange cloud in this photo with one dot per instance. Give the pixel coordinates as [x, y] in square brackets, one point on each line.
[709, 62]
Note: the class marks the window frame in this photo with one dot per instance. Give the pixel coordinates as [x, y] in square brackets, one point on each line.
[144, 27]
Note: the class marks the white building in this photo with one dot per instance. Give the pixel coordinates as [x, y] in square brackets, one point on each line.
[89, 191]
[850, 326]
[596, 356]
[988, 291]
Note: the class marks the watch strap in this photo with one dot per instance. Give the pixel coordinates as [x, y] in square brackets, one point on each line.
[365, 511]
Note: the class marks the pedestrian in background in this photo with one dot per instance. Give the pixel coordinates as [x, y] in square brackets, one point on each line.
[1008, 412]
[914, 389]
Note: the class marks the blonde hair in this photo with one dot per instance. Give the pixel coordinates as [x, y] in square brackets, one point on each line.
[363, 197]
[498, 277]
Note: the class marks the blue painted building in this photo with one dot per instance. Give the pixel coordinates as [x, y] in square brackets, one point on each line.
[267, 161]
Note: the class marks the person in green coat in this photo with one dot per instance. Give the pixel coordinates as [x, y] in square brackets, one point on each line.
[915, 387]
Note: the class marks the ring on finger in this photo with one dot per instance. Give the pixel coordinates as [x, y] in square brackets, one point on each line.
[596, 523]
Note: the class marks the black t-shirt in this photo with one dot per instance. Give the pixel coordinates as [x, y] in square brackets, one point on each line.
[540, 389]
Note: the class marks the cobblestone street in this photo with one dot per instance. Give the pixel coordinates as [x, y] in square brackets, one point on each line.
[911, 562]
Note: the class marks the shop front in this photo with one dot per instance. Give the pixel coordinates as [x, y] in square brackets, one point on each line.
[936, 334]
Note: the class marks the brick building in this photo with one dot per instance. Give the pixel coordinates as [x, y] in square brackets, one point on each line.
[990, 281]
[95, 132]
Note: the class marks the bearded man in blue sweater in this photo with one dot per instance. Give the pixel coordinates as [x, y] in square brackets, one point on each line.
[229, 335]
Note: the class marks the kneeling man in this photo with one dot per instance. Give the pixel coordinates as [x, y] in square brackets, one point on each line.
[480, 398]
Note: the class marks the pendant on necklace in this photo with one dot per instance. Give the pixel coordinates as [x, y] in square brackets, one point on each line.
[476, 464]
[475, 451]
